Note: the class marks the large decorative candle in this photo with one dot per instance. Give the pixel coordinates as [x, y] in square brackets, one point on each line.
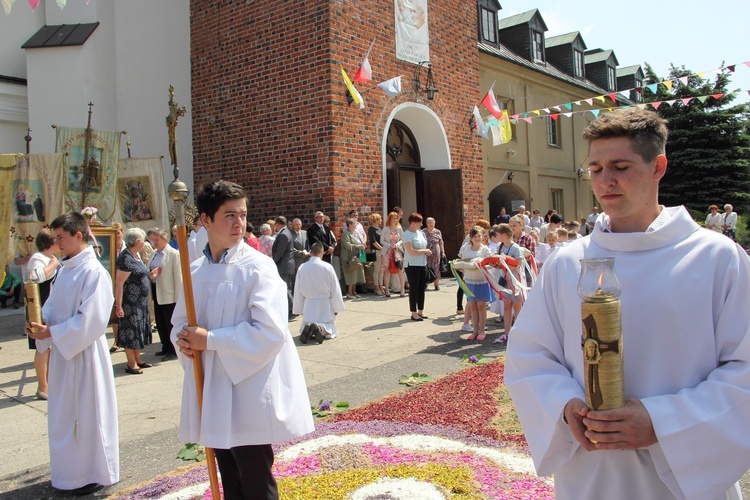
[602, 334]
[33, 302]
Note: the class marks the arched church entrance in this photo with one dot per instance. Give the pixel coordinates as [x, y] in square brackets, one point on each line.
[506, 195]
[417, 171]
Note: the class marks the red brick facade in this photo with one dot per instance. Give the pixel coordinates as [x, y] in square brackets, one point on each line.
[269, 110]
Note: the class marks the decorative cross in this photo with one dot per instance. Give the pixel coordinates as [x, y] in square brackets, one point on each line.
[593, 357]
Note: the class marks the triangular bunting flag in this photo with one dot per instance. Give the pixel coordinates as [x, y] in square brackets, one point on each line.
[7, 5]
[479, 124]
[391, 87]
[514, 117]
[686, 100]
[568, 106]
[600, 99]
[556, 108]
[669, 102]
[546, 110]
[610, 109]
[514, 121]
[683, 80]
[668, 84]
[34, 4]
[590, 101]
[364, 73]
[567, 115]
[700, 75]
[640, 106]
[652, 87]
[717, 96]
[594, 112]
[536, 112]
[702, 98]
[639, 90]
[747, 63]
[527, 120]
[577, 103]
[491, 104]
[656, 104]
[730, 68]
[554, 116]
[613, 97]
[356, 97]
[62, 3]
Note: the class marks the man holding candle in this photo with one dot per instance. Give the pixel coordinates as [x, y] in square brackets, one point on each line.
[682, 431]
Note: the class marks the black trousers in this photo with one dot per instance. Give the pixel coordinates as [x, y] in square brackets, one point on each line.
[246, 472]
[288, 279]
[16, 295]
[460, 295]
[417, 285]
[163, 318]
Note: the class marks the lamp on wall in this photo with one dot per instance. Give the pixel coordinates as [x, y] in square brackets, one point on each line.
[580, 171]
[429, 88]
[511, 174]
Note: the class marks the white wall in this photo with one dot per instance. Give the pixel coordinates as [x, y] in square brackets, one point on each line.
[125, 68]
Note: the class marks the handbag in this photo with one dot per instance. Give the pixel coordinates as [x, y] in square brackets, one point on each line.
[431, 276]
[392, 267]
[443, 264]
[353, 263]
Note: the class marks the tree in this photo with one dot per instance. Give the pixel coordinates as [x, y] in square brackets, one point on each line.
[708, 144]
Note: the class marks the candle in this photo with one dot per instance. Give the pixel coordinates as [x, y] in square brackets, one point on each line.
[602, 334]
[33, 304]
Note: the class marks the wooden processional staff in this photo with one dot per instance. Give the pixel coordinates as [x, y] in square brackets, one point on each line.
[178, 193]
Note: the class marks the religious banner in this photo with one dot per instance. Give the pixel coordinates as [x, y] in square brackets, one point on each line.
[99, 169]
[37, 196]
[7, 164]
[141, 195]
[412, 32]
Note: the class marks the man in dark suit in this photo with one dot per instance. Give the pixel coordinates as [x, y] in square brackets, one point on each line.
[301, 250]
[319, 232]
[283, 256]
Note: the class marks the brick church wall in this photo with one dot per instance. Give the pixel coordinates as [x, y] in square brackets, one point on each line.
[269, 110]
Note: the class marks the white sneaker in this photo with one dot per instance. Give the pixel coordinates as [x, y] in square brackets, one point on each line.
[501, 339]
[467, 328]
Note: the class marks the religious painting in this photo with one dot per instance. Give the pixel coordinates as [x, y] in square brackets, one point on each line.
[28, 200]
[105, 246]
[90, 172]
[135, 197]
[412, 31]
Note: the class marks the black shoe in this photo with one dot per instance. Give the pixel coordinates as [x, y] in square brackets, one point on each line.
[169, 357]
[87, 490]
[418, 318]
[305, 334]
[161, 353]
[318, 332]
[16, 305]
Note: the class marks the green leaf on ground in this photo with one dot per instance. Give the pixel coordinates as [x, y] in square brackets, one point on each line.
[192, 452]
[414, 379]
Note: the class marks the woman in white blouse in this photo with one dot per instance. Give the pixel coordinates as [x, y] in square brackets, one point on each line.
[729, 222]
[713, 221]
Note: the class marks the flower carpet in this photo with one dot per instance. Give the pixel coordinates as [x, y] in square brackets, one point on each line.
[454, 438]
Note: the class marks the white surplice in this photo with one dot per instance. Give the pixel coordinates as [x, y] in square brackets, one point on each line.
[82, 405]
[685, 321]
[317, 295]
[254, 386]
[196, 243]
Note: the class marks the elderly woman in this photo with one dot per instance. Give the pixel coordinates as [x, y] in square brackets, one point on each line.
[266, 239]
[729, 222]
[415, 265]
[131, 300]
[374, 232]
[436, 245]
[713, 221]
[350, 247]
[42, 268]
[389, 238]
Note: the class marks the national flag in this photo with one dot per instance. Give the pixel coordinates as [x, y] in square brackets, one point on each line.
[391, 87]
[479, 122]
[352, 91]
[364, 73]
[490, 103]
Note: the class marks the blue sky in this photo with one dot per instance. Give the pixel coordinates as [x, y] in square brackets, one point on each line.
[698, 35]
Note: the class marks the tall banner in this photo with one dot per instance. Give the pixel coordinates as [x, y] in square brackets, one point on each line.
[37, 197]
[7, 165]
[101, 171]
[412, 31]
[141, 195]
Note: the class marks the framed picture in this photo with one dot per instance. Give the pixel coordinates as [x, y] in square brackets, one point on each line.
[104, 244]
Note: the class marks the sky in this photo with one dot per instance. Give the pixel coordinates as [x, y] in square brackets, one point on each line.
[699, 35]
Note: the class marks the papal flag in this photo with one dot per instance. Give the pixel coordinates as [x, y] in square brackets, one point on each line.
[501, 130]
[98, 172]
[391, 87]
[352, 91]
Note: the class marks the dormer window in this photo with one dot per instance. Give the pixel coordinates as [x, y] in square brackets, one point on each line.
[537, 46]
[489, 25]
[578, 61]
[611, 79]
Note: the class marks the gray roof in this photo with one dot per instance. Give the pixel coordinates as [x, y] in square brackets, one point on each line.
[629, 70]
[598, 55]
[522, 18]
[545, 69]
[554, 41]
[60, 35]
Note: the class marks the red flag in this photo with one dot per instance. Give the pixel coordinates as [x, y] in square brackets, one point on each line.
[364, 73]
[490, 103]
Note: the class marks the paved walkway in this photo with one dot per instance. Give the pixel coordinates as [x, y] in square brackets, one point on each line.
[377, 344]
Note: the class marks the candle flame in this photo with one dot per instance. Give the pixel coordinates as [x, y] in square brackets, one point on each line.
[601, 278]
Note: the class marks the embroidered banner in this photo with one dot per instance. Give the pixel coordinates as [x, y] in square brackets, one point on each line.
[7, 165]
[101, 171]
[37, 196]
[141, 195]
[412, 31]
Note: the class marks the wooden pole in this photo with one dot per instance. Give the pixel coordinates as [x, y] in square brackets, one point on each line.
[178, 193]
[85, 164]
